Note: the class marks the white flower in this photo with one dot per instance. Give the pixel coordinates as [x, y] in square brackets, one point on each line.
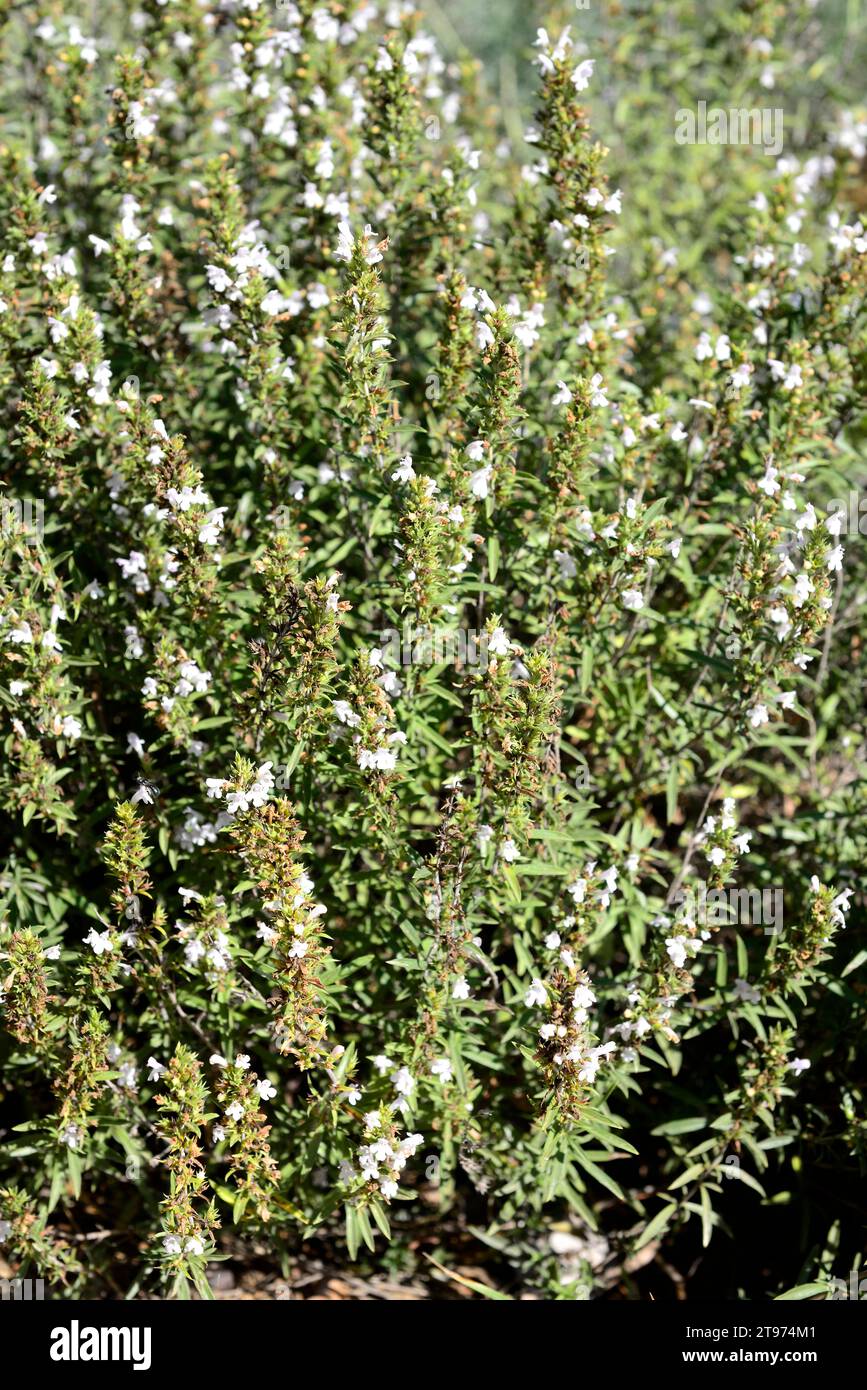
[807, 521]
[676, 948]
[598, 398]
[798, 1065]
[498, 642]
[210, 532]
[758, 716]
[633, 599]
[376, 759]
[461, 989]
[442, 1068]
[346, 714]
[567, 566]
[479, 481]
[583, 997]
[536, 994]
[703, 348]
[404, 471]
[155, 1069]
[274, 302]
[509, 851]
[346, 244]
[99, 942]
[404, 1081]
[218, 278]
[172, 1245]
[265, 1090]
[609, 879]
[578, 890]
[769, 484]
[582, 74]
[562, 395]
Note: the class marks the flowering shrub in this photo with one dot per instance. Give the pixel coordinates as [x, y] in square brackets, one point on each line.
[424, 656]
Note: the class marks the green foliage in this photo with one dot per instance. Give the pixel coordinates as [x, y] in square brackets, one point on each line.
[430, 700]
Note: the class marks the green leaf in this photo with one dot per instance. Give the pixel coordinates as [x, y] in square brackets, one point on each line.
[802, 1291]
[656, 1226]
[689, 1175]
[353, 1231]
[687, 1125]
[706, 1219]
[600, 1175]
[473, 1284]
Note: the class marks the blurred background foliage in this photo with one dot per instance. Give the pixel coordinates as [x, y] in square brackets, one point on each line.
[651, 59]
[498, 32]
[684, 206]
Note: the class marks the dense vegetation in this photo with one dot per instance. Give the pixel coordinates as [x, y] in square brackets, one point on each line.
[431, 657]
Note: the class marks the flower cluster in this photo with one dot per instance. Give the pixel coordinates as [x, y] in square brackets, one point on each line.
[382, 1157]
